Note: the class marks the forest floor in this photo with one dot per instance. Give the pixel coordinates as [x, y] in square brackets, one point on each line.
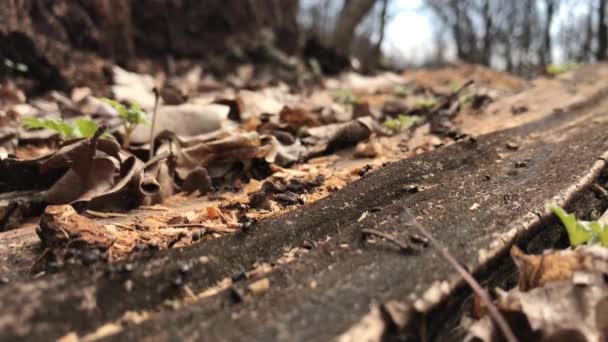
[262, 209]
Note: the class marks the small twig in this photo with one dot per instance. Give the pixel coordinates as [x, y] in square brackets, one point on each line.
[153, 208]
[39, 259]
[600, 190]
[402, 245]
[462, 87]
[156, 96]
[157, 159]
[201, 225]
[485, 297]
[105, 215]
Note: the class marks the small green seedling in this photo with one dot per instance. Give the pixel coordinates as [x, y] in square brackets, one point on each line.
[581, 232]
[20, 67]
[131, 116]
[81, 128]
[401, 91]
[426, 104]
[454, 86]
[558, 69]
[466, 99]
[403, 122]
[345, 97]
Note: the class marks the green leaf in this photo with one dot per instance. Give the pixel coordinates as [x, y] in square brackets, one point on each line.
[601, 230]
[133, 114]
[408, 120]
[558, 69]
[393, 124]
[85, 128]
[65, 129]
[345, 96]
[402, 122]
[577, 232]
[429, 103]
[32, 123]
[401, 91]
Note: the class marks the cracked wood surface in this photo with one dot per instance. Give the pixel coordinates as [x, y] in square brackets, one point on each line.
[476, 197]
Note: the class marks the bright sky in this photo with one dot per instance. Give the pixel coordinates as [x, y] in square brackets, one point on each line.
[409, 32]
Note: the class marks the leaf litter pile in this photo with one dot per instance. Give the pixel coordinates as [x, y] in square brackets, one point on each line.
[561, 295]
[162, 162]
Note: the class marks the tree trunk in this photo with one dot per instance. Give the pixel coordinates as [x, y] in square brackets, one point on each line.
[486, 54]
[377, 53]
[545, 53]
[351, 14]
[586, 52]
[61, 41]
[602, 36]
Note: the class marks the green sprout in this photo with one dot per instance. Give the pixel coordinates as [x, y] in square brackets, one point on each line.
[131, 116]
[401, 91]
[581, 232]
[16, 66]
[345, 97]
[454, 86]
[81, 128]
[558, 69]
[466, 99]
[426, 104]
[403, 122]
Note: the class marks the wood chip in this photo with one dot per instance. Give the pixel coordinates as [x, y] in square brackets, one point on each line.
[259, 286]
[105, 215]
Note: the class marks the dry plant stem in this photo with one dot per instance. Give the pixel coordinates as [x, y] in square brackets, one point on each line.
[200, 225]
[463, 87]
[496, 315]
[156, 95]
[402, 245]
[600, 190]
[127, 139]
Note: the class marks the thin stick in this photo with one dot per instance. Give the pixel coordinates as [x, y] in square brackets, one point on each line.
[496, 315]
[404, 246]
[156, 96]
[201, 225]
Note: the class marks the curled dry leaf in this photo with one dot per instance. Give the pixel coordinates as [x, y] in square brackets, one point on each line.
[92, 165]
[562, 295]
[538, 270]
[298, 117]
[559, 311]
[187, 119]
[215, 152]
[93, 173]
[333, 137]
[157, 182]
[60, 225]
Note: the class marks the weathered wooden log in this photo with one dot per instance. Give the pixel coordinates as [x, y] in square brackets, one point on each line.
[477, 197]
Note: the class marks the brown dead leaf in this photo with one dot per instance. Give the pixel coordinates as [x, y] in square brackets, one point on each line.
[298, 117]
[538, 270]
[561, 297]
[188, 119]
[93, 165]
[60, 225]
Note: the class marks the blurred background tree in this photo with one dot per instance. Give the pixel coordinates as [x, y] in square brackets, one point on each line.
[51, 37]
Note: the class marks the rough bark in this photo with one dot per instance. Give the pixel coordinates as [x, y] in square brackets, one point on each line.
[351, 14]
[348, 273]
[602, 37]
[545, 53]
[486, 53]
[58, 39]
